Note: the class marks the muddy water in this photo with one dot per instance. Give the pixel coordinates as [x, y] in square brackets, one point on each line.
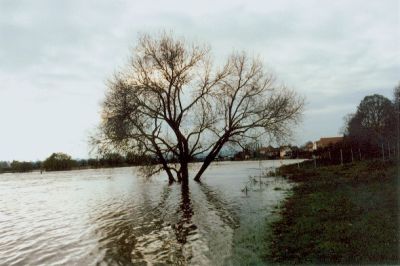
[115, 217]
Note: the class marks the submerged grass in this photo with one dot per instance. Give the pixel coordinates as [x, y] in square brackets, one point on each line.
[339, 214]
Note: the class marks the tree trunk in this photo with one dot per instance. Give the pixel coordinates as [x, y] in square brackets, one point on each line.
[211, 156]
[164, 163]
[179, 177]
[171, 178]
[206, 163]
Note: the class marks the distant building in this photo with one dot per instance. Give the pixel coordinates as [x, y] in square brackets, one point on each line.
[325, 142]
[268, 152]
[242, 155]
[285, 152]
[223, 158]
[309, 147]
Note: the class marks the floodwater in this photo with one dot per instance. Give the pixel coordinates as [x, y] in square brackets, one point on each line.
[114, 217]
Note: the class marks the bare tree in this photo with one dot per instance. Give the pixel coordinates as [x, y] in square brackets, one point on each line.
[172, 103]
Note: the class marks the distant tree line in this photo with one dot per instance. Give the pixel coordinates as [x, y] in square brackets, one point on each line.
[61, 162]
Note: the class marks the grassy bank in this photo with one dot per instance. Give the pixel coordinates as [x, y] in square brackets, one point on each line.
[339, 214]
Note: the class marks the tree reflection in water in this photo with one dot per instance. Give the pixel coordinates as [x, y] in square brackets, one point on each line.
[184, 225]
[147, 230]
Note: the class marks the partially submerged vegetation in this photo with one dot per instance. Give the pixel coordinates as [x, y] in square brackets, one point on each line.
[339, 214]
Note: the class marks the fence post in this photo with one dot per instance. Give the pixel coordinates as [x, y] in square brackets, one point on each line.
[330, 158]
[389, 150]
[359, 153]
[352, 157]
[383, 153]
[341, 157]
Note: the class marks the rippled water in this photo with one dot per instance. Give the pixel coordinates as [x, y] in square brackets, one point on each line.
[114, 217]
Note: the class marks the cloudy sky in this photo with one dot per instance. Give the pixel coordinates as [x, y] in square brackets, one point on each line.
[55, 57]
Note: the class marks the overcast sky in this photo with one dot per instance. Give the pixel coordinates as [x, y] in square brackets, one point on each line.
[55, 57]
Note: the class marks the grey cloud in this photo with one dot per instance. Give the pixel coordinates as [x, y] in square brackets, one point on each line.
[55, 57]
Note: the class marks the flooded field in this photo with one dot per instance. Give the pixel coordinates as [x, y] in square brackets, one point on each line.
[114, 217]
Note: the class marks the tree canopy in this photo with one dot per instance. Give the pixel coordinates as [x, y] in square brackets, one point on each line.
[173, 102]
[374, 122]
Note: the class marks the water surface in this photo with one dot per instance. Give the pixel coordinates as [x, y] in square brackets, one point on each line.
[114, 217]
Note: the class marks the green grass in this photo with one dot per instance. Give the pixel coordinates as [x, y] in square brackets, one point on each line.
[339, 214]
